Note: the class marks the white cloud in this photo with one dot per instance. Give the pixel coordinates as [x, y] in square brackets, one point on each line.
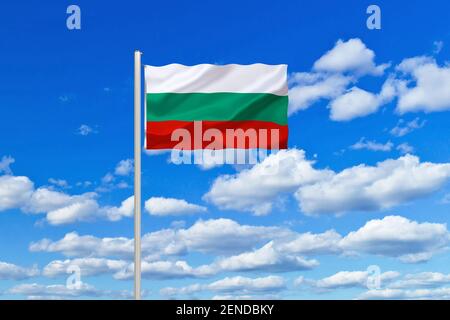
[397, 236]
[311, 243]
[232, 285]
[84, 210]
[368, 188]
[160, 206]
[308, 88]
[430, 93]
[46, 200]
[357, 102]
[124, 270]
[59, 182]
[423, 285]
[58, 291]
[350, 279]
[75, 245]
[257, 189]
[350, 56]
[398, 294]
[124, 167]
[225, 236]
[405, 148]
[14, 191]
[360, 188]
[88, 266]
[9, 271]
[421, 280]
[161, 270]
[218, 237]
[126, 209]
[245, 285]
[5, 162]
[242, 248]
[354, 103]
[17, 192]
[402, 128]
[85, 130]
[372, 145]
[331, 75]
[267, 258]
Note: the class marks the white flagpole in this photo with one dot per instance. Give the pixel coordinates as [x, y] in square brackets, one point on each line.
[137, 175]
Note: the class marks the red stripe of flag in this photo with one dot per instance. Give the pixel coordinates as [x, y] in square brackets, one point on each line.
[158, 134]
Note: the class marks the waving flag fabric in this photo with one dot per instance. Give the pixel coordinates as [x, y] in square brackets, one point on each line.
[250, 99]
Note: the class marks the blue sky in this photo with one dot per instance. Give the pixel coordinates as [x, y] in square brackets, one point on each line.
[67, 136]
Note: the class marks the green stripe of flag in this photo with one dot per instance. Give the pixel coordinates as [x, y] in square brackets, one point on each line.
[220, 106]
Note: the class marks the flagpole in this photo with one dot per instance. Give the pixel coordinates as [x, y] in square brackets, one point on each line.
[137, 175]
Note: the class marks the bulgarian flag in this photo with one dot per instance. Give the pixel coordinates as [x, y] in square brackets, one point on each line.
[208, 106]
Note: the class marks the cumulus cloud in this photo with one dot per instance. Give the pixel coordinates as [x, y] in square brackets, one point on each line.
[124, 167]
[399, 294]
[258, 189]
[18, 192]
[360, 188]
[393, 285]
[421, 280]
[160, 206]
[14, 191]
[243, 248]
[237, 285]
[245, 285]
[74, 245]
[348, 279]
[162, 270]
[392, 236]
[215, 236]
[308, 88]
[332, 74]
[46, 200]
[126, 209]
[350, 56]
[267, 258]
[83, 210]
[356, 102]
[368, 188]
[35, 291]
[9, 271]
[309, 243]
[124, 270]
[429, 92]
[88, 266]
[419, 83]
[400, 237]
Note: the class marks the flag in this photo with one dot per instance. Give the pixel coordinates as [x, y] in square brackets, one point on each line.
[216, 107]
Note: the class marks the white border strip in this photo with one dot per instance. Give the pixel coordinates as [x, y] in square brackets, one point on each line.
[209, 78]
